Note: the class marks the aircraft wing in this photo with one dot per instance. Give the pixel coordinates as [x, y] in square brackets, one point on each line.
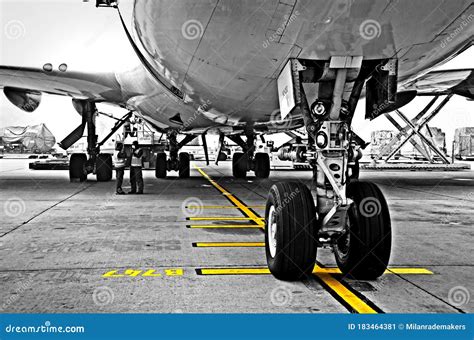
[99, 87]
[460, 82]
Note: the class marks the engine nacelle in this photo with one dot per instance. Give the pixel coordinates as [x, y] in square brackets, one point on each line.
[27, 100]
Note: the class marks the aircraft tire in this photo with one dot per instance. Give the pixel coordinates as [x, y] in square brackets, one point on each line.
[104, 167]
[290, 231]
[184, 165]
[239, 165]
[161, 165]
[77, 167]
[222, 157]
[262, 165]
[363, 252]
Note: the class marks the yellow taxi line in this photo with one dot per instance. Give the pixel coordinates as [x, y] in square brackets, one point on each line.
[242, 207]
[227, 218]
[225, 226]
[347, 296]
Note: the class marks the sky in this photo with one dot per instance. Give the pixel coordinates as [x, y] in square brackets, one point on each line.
[36, 32]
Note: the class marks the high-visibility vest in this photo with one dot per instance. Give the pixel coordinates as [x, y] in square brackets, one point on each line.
[119, 162]
[136, 161]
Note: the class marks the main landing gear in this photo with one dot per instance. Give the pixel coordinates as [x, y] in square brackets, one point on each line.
[177, 161]
[243, 162]
[81, 164]
[350, 216]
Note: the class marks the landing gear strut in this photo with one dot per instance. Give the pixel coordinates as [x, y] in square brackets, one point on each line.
[350, 216]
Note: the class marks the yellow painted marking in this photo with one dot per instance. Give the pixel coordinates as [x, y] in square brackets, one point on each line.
[145, 273]
[353, 300]
[225, 207]
[317, 270]
[219, 219]
[112, 273]
[242, 207]
[230, 244]
[404, 271]
[174, 272]
[226, 226]
[132, 273]
[235, 271]
[151, 273]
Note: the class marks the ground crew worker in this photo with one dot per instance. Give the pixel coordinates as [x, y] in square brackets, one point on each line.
[120, 163]
[136, 175]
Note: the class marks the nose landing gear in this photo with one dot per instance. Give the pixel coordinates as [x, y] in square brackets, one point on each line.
[350, 216]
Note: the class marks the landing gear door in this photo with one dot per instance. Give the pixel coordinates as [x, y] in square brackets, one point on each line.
[382, 89]
[286, 90]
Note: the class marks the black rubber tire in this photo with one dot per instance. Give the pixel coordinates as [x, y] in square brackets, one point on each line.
[184, 165]
[262, 165]
[239, 165]
[77, 167]
[296, 242]
[161, 166]
[365, 255]
[104, 167]
[222, 157]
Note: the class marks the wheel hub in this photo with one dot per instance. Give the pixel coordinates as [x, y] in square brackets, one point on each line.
[272, 231]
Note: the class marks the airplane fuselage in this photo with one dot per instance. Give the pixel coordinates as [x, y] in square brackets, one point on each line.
[217, 62]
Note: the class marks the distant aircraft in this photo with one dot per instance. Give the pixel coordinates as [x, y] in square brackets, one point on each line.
[246, 68]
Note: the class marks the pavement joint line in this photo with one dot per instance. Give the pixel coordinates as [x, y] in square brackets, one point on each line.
[234, 200]
[45, 210]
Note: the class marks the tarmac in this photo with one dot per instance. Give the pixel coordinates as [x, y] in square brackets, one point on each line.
[196, 246]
